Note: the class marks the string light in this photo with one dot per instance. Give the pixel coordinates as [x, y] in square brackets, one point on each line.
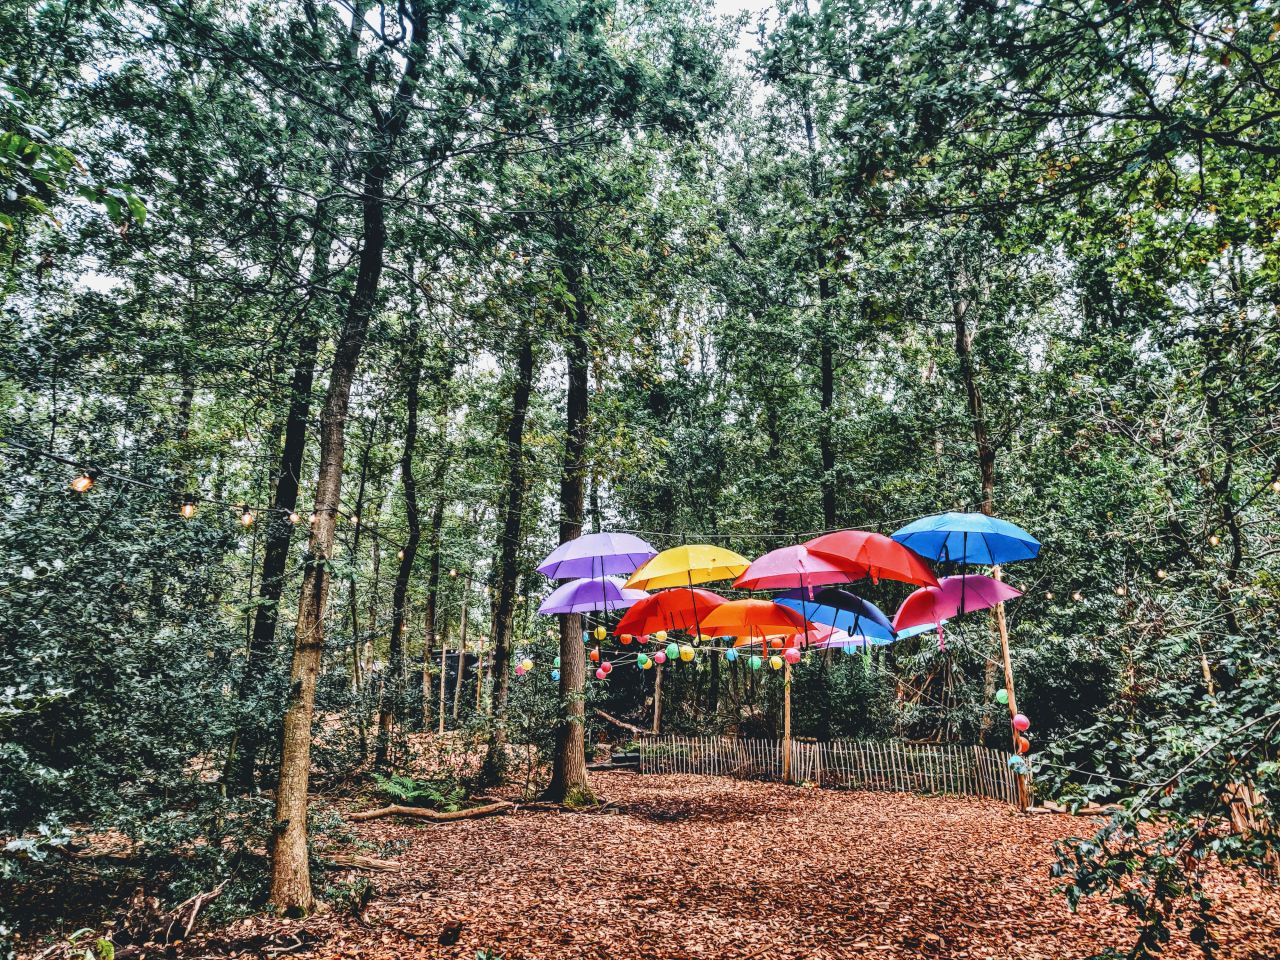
[311, 519]
[1121, 590]
[188, 508]
[294, 517]
[1275, 486]
[1048, 594]
[1077, 596]
[84, 482]
[1214, 540]
[1161, 574]
[246, 517]
[400, 555]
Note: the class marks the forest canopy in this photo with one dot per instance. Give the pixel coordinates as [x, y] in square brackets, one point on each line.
[323, 323]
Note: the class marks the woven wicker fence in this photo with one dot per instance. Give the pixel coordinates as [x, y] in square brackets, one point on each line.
[851, 764]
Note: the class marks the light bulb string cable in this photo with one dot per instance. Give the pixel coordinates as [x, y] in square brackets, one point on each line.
[240, 506]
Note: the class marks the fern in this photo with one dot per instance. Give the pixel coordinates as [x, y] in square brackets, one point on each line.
[443, 795]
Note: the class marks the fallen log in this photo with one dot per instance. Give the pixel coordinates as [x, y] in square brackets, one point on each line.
[639, 731]
[422, 813]
[354, 861]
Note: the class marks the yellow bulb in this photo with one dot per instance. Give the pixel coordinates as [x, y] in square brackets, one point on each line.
[776, 662]
[601, 633]
[82, 483]
[660, 636]
[294, 517]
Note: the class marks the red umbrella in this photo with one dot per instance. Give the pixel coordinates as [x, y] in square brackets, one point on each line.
[678, 609]
[873, 555]
[795, 567]
[952, 596]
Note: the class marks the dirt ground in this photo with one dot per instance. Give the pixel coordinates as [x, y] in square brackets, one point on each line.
[696, 867]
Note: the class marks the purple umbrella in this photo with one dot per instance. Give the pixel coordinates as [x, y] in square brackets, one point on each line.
[585, 595]
[595, 555]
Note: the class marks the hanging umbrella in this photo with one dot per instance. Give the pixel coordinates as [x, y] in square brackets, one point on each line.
[752, 618]
[586, 594]
[952, 596]
[669, 610]
[595, 555]
[849, 621]
[794, 567]
[873, 555]
[968, 538]
[687, 565]
[867, 613]
[906, 632]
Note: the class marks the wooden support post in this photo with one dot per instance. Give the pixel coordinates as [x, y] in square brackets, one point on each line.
[657, 698]
[1024, 779]
[786, 721]
[444, 662]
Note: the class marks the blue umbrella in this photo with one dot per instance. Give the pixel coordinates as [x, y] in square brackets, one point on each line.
[968, 538]
[915, 631]
[872, 624]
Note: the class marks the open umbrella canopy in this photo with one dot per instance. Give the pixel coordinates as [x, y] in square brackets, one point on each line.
[952, 596]
[752, 618]
[872, 555]
[865, 610]
[873, 622]
[588, 594]
[687, 565]
[851, 641]
[596, 554]
[968, 538]
[918, 629]
[794, 567]
[669, 610]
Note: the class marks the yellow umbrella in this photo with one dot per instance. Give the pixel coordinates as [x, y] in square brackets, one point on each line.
[685, 566]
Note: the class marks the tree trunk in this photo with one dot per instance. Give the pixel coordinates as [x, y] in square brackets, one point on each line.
[569, 782]
[290, 862]
[512, 524]
[433, 601]
[392, 689]
[462, 647]
[962, 305]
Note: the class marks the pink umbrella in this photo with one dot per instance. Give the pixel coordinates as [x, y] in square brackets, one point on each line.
[795, 567]
[952, 596]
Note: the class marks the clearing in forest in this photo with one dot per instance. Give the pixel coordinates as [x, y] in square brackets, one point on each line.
[699, 867]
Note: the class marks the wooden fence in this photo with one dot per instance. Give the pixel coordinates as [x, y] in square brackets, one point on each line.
[850, 764]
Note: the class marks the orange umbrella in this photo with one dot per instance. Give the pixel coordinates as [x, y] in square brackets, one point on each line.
[752, 618]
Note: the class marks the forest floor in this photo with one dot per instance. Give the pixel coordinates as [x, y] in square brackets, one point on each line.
[696, 867]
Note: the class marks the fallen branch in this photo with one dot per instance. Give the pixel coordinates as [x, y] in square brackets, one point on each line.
[639, 731]
[354, 861]
[174, 925]
[396, 810]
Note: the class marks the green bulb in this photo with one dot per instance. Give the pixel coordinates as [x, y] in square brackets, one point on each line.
[755, 663]
[673, 651]
[1002, 696]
